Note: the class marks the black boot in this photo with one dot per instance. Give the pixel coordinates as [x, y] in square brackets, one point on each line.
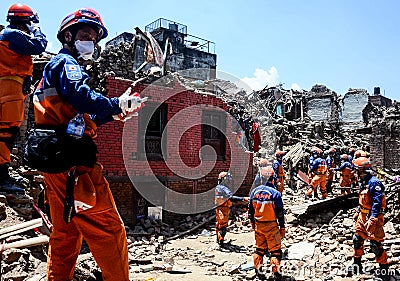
[6, 183]
[260, 275]
[277, 276]
[383, 272]
[355, 268]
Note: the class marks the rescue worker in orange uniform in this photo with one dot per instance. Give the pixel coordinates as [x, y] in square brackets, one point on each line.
[346, 174]
[267, 218]
[20, 40]
[279, 171]
[318, 171]
[330, 163]
[223, 199]
[257, 180]
[62, 94]
[369, 219]
[351, 156]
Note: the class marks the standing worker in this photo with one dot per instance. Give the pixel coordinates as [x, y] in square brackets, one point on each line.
[20, 40]
[257, 180]
[318, 171]
[346, 174]
[330, 163]
[369, 219]
[62, 98]
[279, 171]
[267, 218]
[223, 199]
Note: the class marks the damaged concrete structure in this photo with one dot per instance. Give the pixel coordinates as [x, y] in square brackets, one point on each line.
[187, 51]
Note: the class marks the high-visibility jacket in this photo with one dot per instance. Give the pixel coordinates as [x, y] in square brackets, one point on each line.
[372, 195]
[63, 92]
[318, 166]
[16, 48]
[266, 205]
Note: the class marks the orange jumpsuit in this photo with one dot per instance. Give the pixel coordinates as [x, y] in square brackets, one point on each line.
[266, 212]
[318, 169]
[280, 175]
[16, 48]
[223, 200]
[346, 174]
[372, 203]
[97, 219]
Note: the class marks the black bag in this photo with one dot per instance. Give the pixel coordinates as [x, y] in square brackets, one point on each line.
[51, 151]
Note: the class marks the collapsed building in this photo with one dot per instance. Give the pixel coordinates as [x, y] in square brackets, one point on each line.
[291, 120]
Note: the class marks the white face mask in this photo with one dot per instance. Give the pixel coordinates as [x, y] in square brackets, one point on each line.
[85, 49]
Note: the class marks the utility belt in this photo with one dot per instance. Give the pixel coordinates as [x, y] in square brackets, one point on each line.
[366, 211]
[15, 78]
[25, 82]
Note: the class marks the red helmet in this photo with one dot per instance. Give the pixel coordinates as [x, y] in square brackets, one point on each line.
[362, 163]
[332, 150]
[86, 16]
[280, 153]
[267, 173]
[262, 162]
[360, 153]
[344, 157]
[20, 13]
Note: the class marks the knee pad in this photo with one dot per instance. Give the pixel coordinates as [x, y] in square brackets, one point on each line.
[259, 252]
[277, 254]
[358, 242]
[376, 248]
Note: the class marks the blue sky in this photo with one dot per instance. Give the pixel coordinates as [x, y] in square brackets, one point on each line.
[341, 44]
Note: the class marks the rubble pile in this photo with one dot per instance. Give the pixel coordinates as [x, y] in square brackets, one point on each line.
[325, 240]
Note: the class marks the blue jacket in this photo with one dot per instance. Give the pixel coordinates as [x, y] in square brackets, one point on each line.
[266, 205]
[65, 78]
[376, 191]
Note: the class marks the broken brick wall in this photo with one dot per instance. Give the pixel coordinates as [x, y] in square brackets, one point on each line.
[115, 168]
[385, 143]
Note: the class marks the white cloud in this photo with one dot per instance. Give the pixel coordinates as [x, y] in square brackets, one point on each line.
[296, 87]
[262, 78]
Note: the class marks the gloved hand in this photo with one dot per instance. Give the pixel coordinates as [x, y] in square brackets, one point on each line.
[282, 231]
[33, 28]
[253, 225]
[130, 102]
[370, 224]
[122, 117]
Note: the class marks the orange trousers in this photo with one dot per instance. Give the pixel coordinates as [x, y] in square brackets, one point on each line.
[222, 219]
[318, 180]
[100, 226]
[378, 235]
[268, 238]
[281, 185]
[11, 116]
[345, 181]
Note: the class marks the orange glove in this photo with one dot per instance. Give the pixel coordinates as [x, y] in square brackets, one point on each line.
[282, 231]
[370, 225]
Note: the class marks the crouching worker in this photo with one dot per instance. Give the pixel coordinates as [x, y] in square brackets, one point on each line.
[266, 215]
[369, 219]
[64, 102]
[223, 199]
